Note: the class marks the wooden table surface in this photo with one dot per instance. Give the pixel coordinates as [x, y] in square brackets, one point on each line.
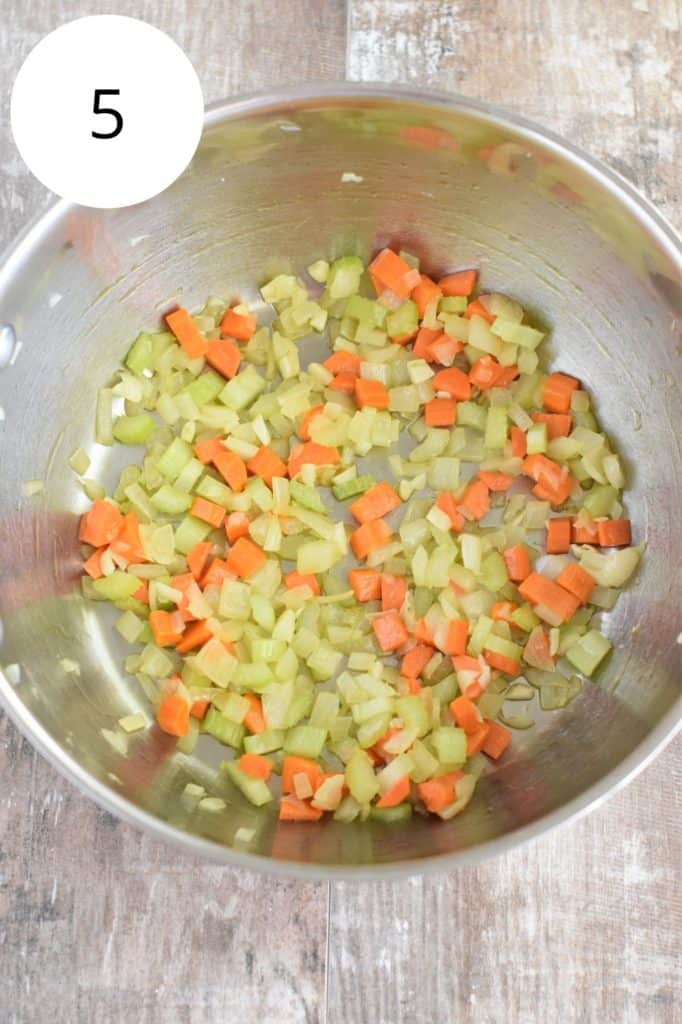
[99, 923]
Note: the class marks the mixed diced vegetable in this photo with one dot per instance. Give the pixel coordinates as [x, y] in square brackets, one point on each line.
[347, 571]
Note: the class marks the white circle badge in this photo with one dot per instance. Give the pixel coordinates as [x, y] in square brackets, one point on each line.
[107, 111]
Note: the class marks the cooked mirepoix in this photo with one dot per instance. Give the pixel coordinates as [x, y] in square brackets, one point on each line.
[353, 573]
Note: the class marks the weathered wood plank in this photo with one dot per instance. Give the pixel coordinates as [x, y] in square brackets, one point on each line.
[98, 923]
[606, 75]
[583, 925]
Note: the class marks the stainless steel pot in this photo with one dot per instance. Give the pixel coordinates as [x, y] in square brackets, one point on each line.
[457, 182]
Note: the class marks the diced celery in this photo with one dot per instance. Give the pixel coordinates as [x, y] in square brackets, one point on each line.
[256, 791]
[205, 388]
[365, 310]
[412, 711]
[79, 461]
[319, 271]
[449, 744]
[344, 277]
[215, 662]
[589, 651]
[305, 741]
[174, 459]
[170, 501]
[499, 645]
[223, 729]
[525, 618]
[190, 532]
[360, 777]
[130, 627]
[117, 586]
[260, 493]
[308, 497]
[134, 429]
[493, 571]
[389, 815]
[140, 354]
[351, 488]
[536, 439]
[469, 414]
[517, 334]
[243, 389]
[479, 635]
[598, 500]
[317, 556]
[403, 320]
[496, 428]
[264, 742]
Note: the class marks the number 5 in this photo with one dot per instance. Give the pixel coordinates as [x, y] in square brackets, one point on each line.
[97, 109]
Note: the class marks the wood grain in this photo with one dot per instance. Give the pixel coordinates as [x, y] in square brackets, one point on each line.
[98, 923]
[605, 75]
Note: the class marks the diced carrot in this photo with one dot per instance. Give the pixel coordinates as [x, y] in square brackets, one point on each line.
[557, 390]
[587, 533]
[506, 375]
[502, 611]
[476, 308]
[466, 715]
[403, 339]
[456, 637]
[236, 526]
[245, 558]
[93, 564]
[184, 582]
[197, 558]
[292, 765]
[311, 454]
[295, 579]
[614, 533]
[207, 511]
[517, 562]
[537, 651]
[369, 537]
[241, 326]
[444, 349]
[446, 503]
[558, 424]
[343, 381]
[100, 524]
[254, 719]
[440, 412]
[495, 481]
[266, 464]
[465, 663]
[393, 592]
[391, 271]
[207, 449]
[390, 631]
[485, 373]
[472, 690]
[191, 339]
[365, 584]
[422, 632]
[293, 809]
[342, 361]
[224, 356]
[398, 792]
[370, 394]
[142, 592]
[475, 502]
[497, 740]
[164, 627]
[217, 571]
[477, 739]
[426, 291]
[231, 469]
[255, 765]
[127, 542]
[415, 661]
[196, 635]
[454, 382]
[378, 501]
[379, 750]
[462, 282]
[304, 426]
[413, 686]
[558, 536]
[438, 792]
[540, 590]
[554, 483]
[518, 443]
[173, 715]
[577, 581]
[510, 666]
[422, 345]
[198, 708]
[429, 137]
